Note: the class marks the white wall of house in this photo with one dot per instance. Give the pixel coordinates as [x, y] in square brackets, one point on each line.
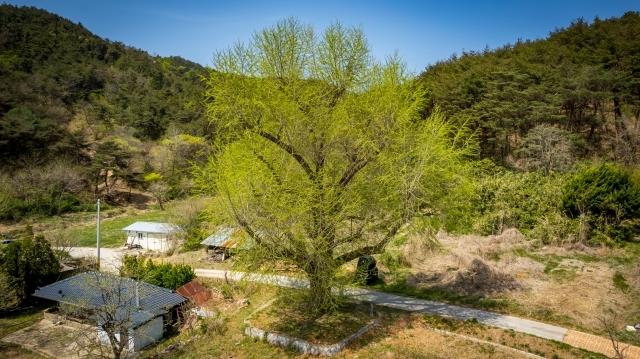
[160, 242]
[146, 334]
[104, 338]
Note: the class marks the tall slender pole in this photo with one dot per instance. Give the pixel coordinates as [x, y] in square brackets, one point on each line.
[98, 233]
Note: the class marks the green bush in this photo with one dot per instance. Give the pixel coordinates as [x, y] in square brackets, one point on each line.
[28, 264]
[171, 276]
[609, 195]
[529, 202]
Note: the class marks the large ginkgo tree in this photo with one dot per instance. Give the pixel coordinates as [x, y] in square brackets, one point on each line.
[324, 153]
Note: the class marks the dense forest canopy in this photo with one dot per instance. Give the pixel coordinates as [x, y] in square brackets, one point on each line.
[57, 79]
[583, 80]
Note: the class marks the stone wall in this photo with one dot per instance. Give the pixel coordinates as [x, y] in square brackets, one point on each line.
[304, 346]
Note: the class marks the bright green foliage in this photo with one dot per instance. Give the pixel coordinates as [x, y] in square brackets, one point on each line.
[608, 194]
[158, 187]
[28, 264]
[174, 157]
[191, 217]
[530, 202]
[326, 154]
[152, 177]
[166, 275]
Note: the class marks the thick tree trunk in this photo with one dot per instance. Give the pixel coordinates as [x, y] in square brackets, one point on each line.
[320, 296]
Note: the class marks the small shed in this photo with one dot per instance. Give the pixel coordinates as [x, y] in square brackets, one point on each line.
[154, 236]
[224, 241]
[147, 309]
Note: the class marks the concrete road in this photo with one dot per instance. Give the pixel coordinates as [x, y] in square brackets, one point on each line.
[394, 301]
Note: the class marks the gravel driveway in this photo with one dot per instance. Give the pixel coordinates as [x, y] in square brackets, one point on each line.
[110, 258]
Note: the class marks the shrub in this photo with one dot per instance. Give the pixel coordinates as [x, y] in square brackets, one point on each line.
[28, 264]
[165, 275]
[215, 325]
[609, 195]
[527, 201]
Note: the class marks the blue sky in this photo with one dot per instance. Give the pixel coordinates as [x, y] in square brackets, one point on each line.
[422, 32]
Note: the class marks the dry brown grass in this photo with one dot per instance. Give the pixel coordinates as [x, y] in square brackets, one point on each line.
[197, 259]
[467, 265]
[416, 336]
[552, 283]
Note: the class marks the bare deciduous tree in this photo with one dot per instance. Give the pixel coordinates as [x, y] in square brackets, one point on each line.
[610, 322]
[546, 148]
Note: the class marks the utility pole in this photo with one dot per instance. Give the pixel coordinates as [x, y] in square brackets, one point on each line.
[98, 233]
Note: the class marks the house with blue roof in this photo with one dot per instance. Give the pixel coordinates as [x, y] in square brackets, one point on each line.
[139, 311]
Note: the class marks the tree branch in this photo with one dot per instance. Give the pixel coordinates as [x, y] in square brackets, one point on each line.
[290, 150]
[353, 169]
[371, 249]
[269, 167]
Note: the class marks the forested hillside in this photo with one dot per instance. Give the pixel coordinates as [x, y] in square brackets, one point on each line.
[81, 116]
[576, 92]
[55, 73]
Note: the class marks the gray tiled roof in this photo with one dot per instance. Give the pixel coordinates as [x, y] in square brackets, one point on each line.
[152, 227]
[93, 290]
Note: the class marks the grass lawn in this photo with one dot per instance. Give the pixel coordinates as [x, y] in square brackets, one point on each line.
[111, 234]
[289, 317]
[13, 351]
[12, 322]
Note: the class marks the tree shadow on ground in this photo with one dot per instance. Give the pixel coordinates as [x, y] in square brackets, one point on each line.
[293, 317]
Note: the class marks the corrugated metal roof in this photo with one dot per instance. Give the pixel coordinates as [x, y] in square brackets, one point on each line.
[195, 291]
[152, 227]
[228, 237]
[219, 238]
[93, 290]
